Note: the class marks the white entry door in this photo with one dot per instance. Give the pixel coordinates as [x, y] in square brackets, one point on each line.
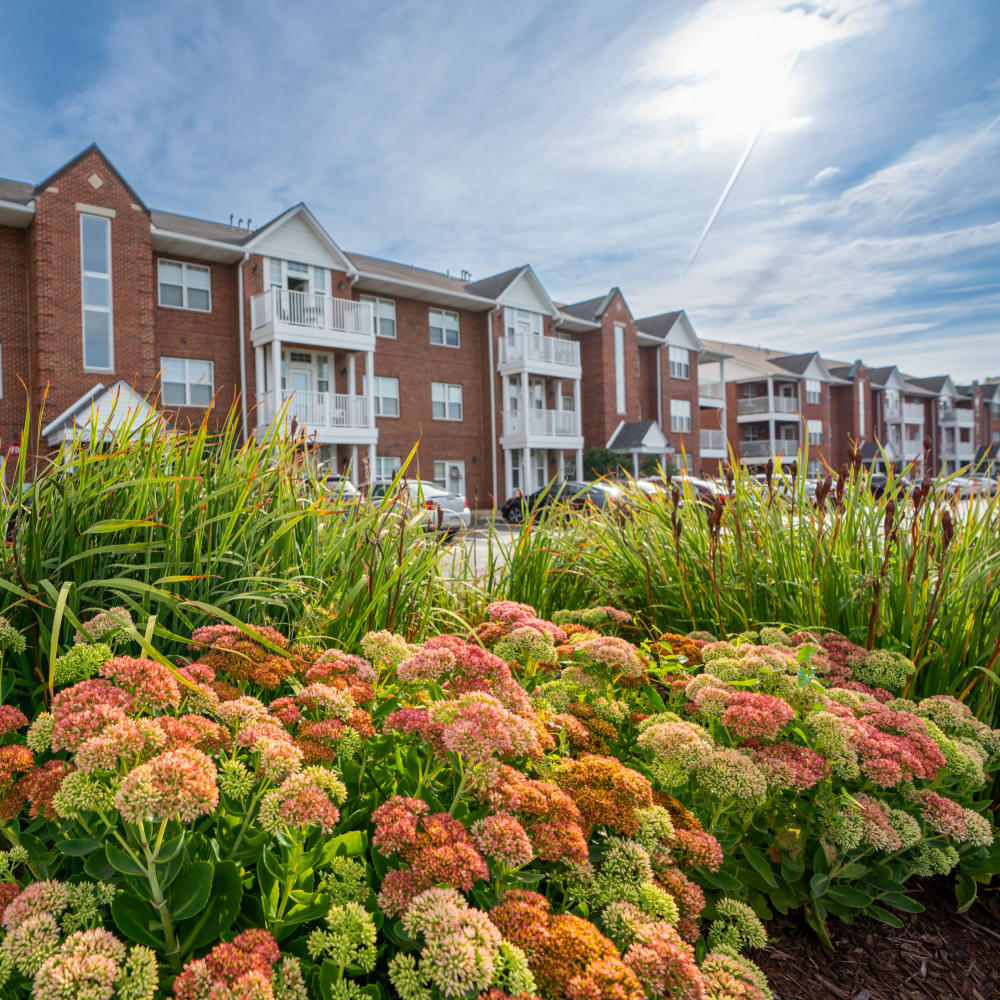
[300, 383]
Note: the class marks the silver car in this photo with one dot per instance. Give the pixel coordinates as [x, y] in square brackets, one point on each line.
[445, 511]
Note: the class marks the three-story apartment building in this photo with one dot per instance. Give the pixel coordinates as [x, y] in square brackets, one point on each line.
[108, 306]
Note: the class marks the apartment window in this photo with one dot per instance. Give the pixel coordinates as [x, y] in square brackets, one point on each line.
[450, 476]
[680, 362]
[815, 428]
[515, 470]
[385, 391]
[384, 315]
[186, 381]
[680, 415]
[620, 367]
[752, 433]
[568, 402]
[319, 280]
[523, 322]
[814, 391]
[185, 286]
[996, 411]
[541, 473]
[444, 327]
[386, 466]
[446, 401]
[98, 326]
[322, 373]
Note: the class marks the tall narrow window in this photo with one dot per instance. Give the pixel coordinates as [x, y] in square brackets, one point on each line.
[680, 362]
[680, 416]
[861, 409]
[814, 391]
[620, 367]
[98, 328]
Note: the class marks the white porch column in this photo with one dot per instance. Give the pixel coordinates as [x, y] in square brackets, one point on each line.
[527, 473]
[579, 463]
[635, 464]
[371, 463]
[723, 413]
[770, 408]
[352, 374]
[562, 466]
[369, 384]
[354, 464]
[258, 375]
[276, 373]
[525, 403]
[576, 410]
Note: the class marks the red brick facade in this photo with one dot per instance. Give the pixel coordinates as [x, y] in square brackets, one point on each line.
[41, 342]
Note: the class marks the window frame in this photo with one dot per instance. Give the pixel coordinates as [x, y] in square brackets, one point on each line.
[380, 474]
[680, 422]
[377, 397]
[444, 329]
[446, 462]
[448, 403]
[681, 366]
[621, 402]
[184, 266]
[817, 392]
[188, 383]
[376, 301]
[84, 307]
[813, 435]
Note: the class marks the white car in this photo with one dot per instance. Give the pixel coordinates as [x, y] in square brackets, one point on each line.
[444, 510]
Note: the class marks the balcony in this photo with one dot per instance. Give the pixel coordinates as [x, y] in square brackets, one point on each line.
[913, 413]
[893, 410]
[310, 319]
[764, 406]
[713, 443]
[333, 417]
[957, 418]
[787, 448]
[545, 428]
[541, 355]
[912, 449]
[711, 393]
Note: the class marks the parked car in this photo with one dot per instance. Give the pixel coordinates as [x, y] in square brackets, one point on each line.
[442, 510]
[577, 495]
[340, 487]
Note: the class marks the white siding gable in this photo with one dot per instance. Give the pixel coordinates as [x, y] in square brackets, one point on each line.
[523, 293]
[296, 240]
[682, 334]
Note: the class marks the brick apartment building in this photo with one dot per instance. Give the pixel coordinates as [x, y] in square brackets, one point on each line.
[107, 305]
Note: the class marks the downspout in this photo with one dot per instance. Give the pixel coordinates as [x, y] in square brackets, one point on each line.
[243, 349]
[493, 405]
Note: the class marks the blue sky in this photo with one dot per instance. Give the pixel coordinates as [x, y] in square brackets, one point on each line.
[590, 139]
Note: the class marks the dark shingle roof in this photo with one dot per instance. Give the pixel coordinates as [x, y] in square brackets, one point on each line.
[589, 309]
[631, 435]
[796, 363]
[935, 382]
[407, 272]
[879, 376]
[495, 284]
[16, 191]
[659, 325]
[201, 228]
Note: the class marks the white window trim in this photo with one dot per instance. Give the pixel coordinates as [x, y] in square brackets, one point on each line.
[184, 265]
[680, 416]
[376, 301]
[447, 462]
[111, 299]
[376, 396]
[458, 324]
[380, 473]
[447, 402]
[188, 381]
[676, 365]
[621, 398]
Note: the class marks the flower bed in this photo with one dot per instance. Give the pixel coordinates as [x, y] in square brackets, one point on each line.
[536, 808]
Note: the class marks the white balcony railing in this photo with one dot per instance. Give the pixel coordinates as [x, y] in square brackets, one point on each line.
[317, 410]
[543, 423]
[306, 309]
[710, 390]
[957, 418]
[913, 413]
[760, 449]
[766, 404]
[548, 350]
[713, 440]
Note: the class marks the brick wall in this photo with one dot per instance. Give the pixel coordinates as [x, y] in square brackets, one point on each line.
[684, 389]
[14, 341]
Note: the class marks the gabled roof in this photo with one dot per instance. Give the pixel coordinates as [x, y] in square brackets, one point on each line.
[639, 435]
[301, 210]
[801, 363]
[660, 325]
[113, 407]
[933, 383]
[83, 154]
[496, 284]
[406, 272]
[912, 389]
[590, 309]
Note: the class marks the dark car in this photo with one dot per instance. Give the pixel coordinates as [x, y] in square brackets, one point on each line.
[576, 495]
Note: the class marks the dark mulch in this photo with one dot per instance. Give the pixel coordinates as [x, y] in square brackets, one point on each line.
[939, 953]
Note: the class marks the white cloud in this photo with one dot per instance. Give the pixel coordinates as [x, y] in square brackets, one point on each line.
[826, 174]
